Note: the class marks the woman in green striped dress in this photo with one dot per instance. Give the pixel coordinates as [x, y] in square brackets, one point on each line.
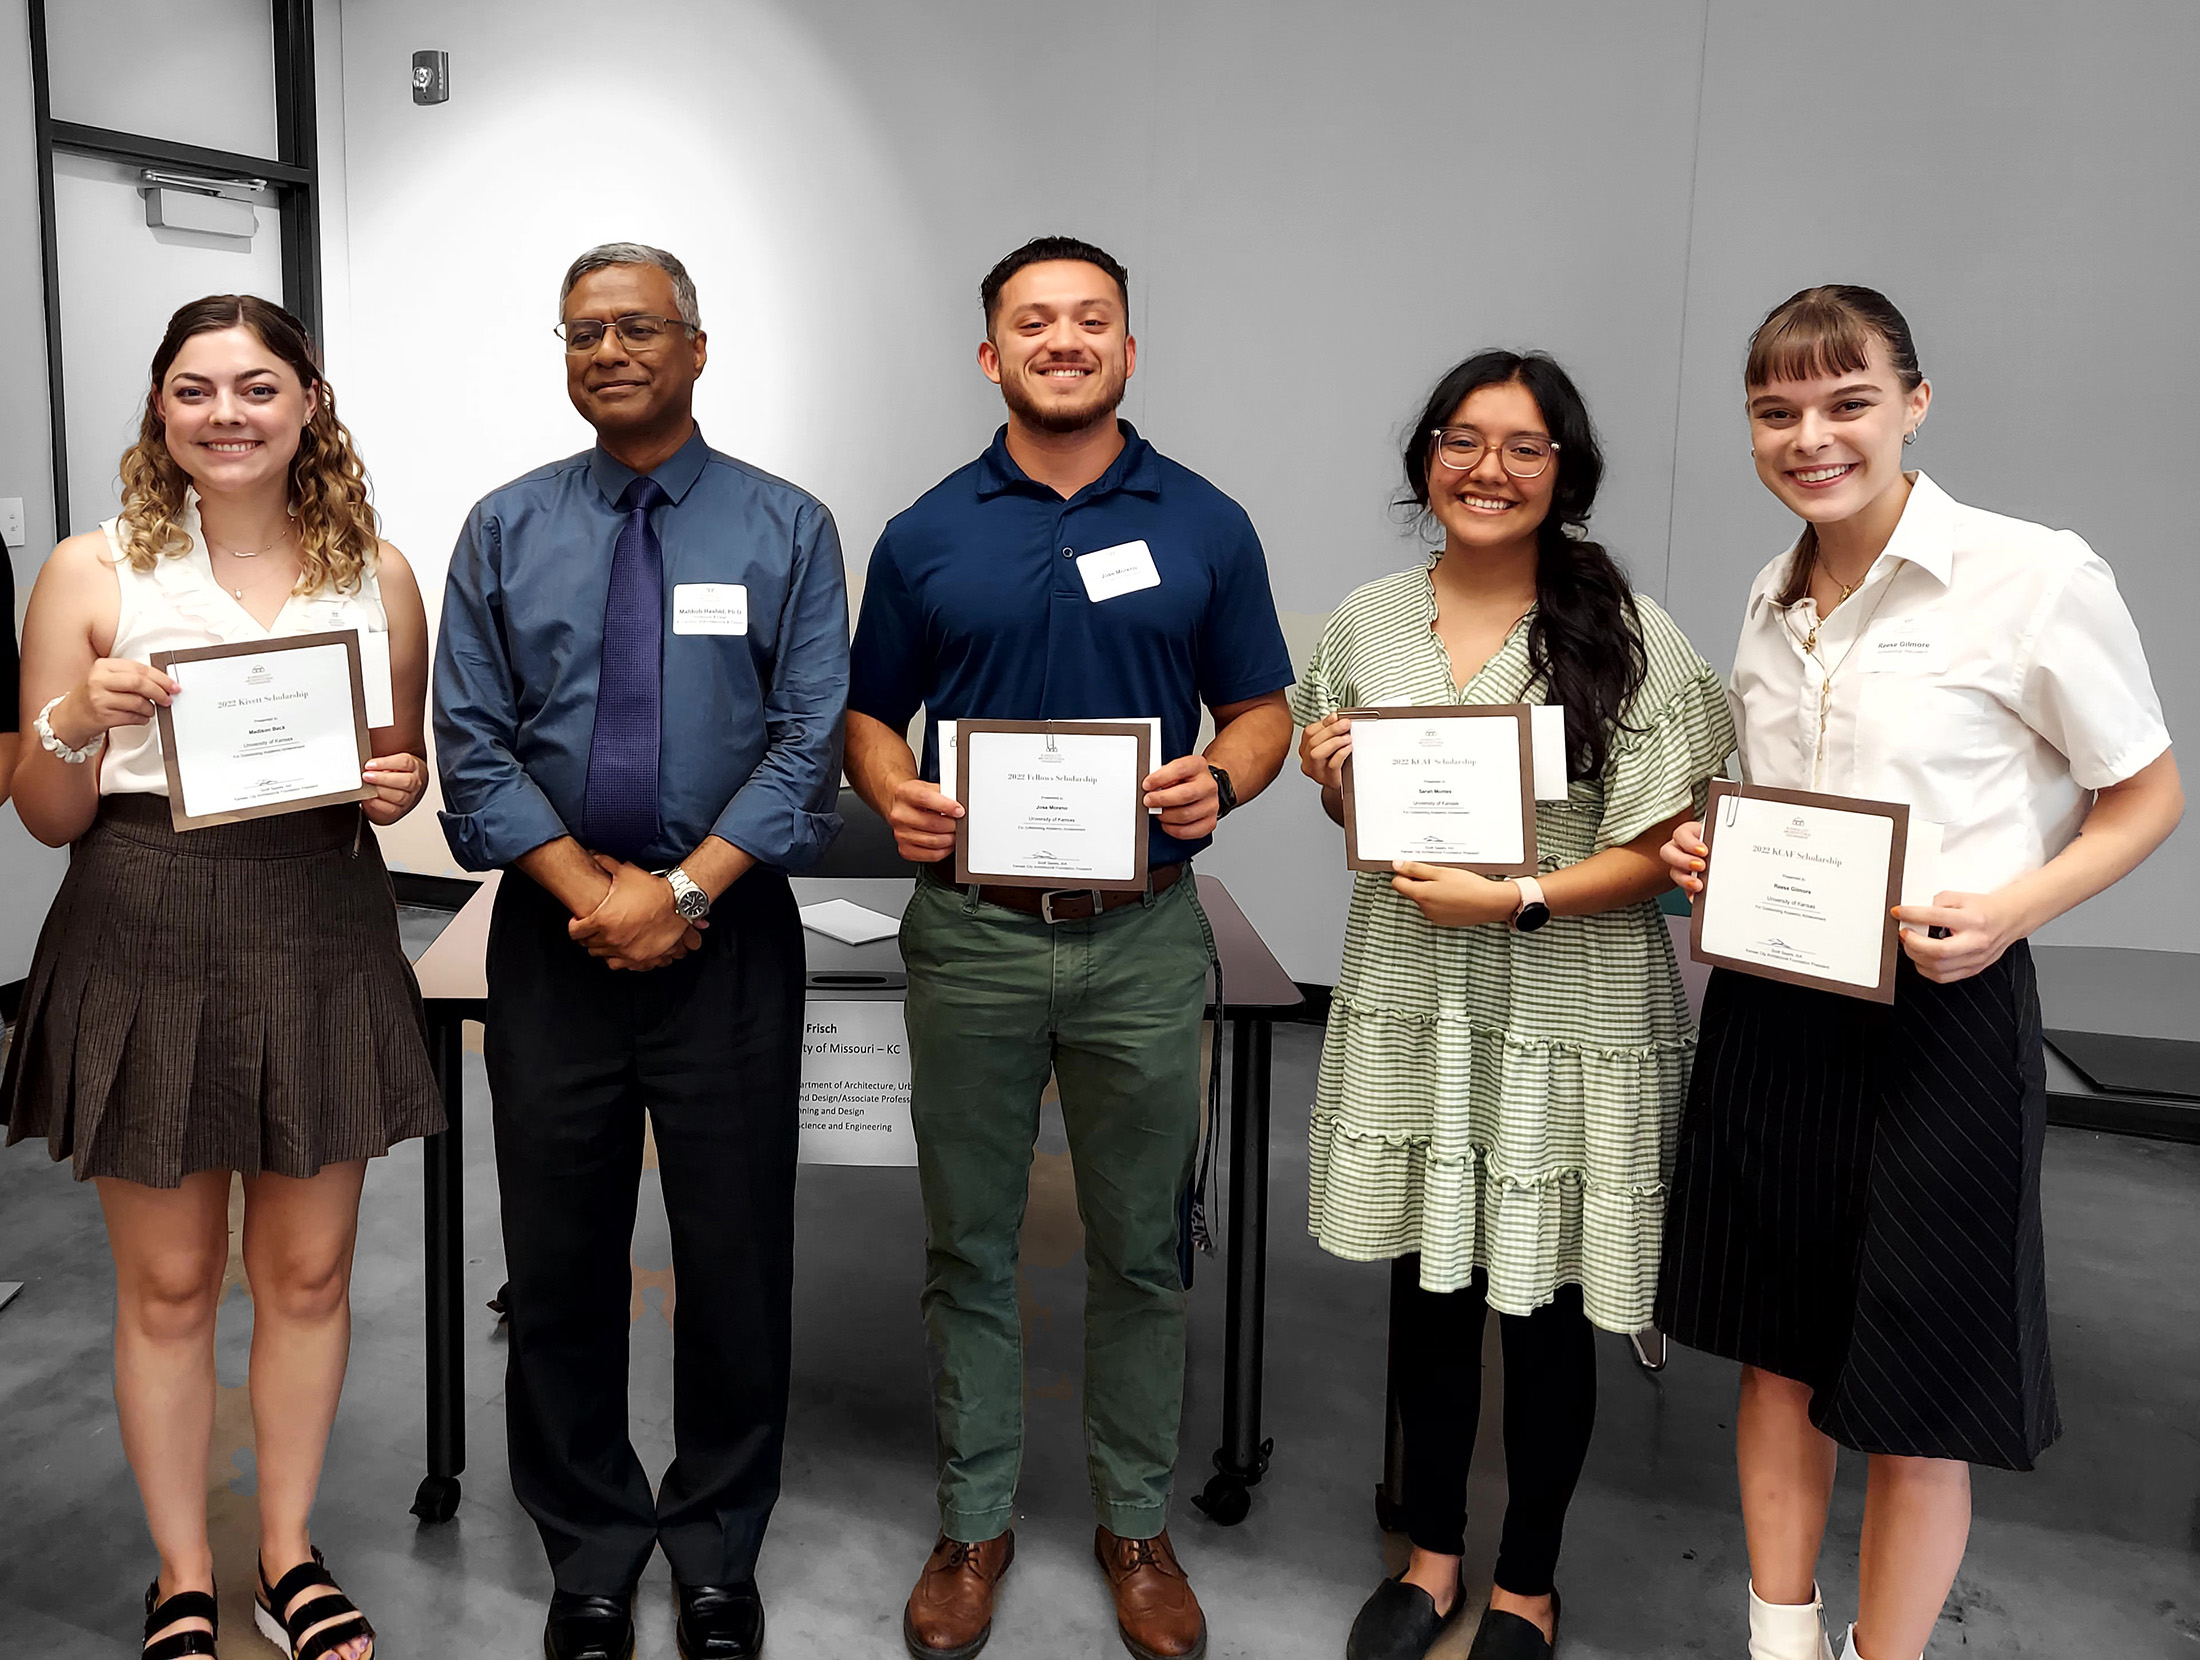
[1506, 1059]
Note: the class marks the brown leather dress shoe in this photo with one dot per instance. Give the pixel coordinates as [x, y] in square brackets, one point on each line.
[1155, 1610]
[950, 1613]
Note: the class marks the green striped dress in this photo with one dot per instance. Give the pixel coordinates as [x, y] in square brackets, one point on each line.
[1497, 1100]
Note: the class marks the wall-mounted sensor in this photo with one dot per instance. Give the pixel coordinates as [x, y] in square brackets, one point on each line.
[431, 77]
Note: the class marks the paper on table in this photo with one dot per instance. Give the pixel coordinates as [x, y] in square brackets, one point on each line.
[947, 746]
[848, 922]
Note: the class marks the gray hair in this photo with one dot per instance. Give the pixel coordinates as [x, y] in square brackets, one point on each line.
[606, 254]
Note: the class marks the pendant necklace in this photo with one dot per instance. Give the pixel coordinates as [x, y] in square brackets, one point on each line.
[248, 553]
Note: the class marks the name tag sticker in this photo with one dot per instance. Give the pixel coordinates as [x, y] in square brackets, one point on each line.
[710, 608]
[1122, 569]
[1911, 645]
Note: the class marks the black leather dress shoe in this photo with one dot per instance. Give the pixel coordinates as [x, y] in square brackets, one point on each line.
[720, 1622]
[589, 1628]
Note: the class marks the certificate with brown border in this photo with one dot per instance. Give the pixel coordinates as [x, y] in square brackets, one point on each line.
[1802, 887]
[1444, 784]
[266, 727]
[1052, 804]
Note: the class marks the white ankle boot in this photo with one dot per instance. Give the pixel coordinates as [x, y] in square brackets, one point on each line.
[1788, 1631]
[1849, 1647]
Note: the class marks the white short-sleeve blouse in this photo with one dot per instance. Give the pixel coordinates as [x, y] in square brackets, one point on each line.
[1986, 672]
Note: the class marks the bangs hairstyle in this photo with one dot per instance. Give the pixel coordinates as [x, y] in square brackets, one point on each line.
[1585, 643]
[1823, 331]
[337, 532]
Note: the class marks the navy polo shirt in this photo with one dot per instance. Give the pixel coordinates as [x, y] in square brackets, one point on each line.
[974, 607]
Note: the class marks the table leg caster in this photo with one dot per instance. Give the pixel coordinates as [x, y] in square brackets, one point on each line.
[437, 1500]
[1228, 1496]
[1226, 1501]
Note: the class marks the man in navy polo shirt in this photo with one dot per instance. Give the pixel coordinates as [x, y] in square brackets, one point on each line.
[1071, 571]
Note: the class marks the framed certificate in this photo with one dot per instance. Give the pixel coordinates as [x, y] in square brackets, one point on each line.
[1052, 804]
[1447, 784]
[1802, 888]
[267, 727]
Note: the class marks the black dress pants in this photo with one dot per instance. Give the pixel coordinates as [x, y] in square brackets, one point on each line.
[711, 1048]
[1550, 1410]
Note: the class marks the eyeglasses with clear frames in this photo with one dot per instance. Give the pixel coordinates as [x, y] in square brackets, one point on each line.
[1523, 455]
[642, 332]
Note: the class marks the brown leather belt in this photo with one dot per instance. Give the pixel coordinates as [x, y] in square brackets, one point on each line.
[1061, 904]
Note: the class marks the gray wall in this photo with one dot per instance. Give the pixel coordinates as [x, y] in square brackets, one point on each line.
[1322, 207]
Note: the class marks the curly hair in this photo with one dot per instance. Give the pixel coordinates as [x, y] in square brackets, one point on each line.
[337, 529]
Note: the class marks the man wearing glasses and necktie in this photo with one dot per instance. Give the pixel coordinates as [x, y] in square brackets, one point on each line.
[645, 954]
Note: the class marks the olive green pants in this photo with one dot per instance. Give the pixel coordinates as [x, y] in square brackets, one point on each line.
[1112, 1008]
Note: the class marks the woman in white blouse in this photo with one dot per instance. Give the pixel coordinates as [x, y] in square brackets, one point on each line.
[1855, 1211]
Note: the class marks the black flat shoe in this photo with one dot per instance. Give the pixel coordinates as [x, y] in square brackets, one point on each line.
[1509, 1637]
[720, 1622]
[589, 1628]
[1399, 1622]
[184, 1605]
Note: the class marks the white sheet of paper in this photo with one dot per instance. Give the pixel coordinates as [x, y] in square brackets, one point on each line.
[710, 608]
[1921, 862]
[947, 746]
[255, 730]
[376, 675]
[1800, 888]
[1122, 569]
[1053, 805]
[1446, 790]
[1547, 723]
[855, 1084]
[851, 924]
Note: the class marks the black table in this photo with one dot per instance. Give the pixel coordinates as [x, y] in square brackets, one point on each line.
[1255, 989]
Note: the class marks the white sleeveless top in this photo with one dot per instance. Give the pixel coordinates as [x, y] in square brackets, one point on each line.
[178, 605]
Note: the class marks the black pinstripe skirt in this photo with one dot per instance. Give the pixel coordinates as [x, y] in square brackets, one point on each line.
[1856, 1205]
[232, 998]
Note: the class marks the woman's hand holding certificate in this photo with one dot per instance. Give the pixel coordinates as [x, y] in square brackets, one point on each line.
[1052, 804]
[274, 726]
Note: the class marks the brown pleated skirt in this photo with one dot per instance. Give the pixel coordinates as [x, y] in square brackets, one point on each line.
[232, 998]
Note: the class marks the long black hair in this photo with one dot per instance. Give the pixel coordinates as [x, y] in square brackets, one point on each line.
[1585, 643]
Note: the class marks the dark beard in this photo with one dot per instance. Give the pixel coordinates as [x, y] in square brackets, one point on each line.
[1052, 420]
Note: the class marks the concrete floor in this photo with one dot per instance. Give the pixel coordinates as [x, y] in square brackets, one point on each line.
[2097, 1554]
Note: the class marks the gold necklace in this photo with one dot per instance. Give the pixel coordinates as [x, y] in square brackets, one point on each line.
[1809, 644]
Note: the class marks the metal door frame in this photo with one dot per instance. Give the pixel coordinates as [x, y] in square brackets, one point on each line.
[294, 176]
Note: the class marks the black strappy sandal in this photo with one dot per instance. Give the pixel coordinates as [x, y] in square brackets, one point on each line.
[287, 1632]
[184, 1605]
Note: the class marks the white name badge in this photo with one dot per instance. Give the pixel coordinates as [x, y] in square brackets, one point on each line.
[1915, 645]
[1122, 569]
[710, 608]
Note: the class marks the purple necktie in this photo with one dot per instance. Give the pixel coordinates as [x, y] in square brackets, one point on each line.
[621, 803]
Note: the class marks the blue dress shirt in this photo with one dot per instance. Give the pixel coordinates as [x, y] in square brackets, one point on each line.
[751, 744]
[975, 609]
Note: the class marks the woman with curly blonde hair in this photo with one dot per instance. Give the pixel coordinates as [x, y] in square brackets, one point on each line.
[230, 998]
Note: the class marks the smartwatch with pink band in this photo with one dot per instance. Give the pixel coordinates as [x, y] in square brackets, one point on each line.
[1534, 910]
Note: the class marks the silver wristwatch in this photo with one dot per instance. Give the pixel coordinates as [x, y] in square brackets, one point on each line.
[53, 745]
[690, 901]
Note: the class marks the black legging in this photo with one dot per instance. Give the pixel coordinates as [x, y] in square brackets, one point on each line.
[1550, 1409]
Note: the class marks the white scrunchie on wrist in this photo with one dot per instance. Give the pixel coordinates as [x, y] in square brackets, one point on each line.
[44, 728]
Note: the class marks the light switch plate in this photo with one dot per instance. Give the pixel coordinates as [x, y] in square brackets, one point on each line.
[11, 521]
